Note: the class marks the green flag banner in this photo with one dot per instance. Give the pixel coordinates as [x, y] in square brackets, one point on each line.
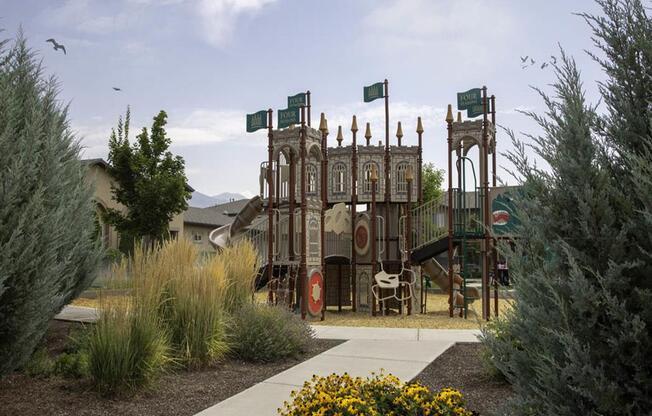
[288, 116]
[297, 100]
[256, 121]
[373, 92]
[467, 99]
[475, 110]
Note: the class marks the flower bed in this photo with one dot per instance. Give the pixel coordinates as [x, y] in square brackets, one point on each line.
[377, 395]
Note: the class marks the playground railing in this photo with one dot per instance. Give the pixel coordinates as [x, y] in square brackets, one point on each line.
[429, 222]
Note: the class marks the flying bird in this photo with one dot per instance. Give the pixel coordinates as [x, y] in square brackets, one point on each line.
[531, 61]
[57, 45]
[117, 89]
[524, 59]
[554, 59]
[543, 65]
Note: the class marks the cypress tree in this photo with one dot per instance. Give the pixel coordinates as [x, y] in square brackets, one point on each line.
[578, 339]
[48, 254]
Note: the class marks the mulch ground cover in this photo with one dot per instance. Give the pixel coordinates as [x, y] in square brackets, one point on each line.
[460, 367]
[178, 393]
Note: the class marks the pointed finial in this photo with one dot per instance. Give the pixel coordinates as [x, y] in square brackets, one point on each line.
[419, 125]
[449, 114]
[339, 137]
[367, 133]
[459, 116]
[374, 173]
[323, 124]
[399, 133]
[409, 174]
[354, 125]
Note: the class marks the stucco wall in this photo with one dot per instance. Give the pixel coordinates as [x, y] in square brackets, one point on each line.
[189, 232]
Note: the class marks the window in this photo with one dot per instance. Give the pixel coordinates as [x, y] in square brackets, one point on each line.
[174, 235]
[197, 237]
[367, 177]
[313, 238]
[339, 173]
[401, 179]
[311, 171]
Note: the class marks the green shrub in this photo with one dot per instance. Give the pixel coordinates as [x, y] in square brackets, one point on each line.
[71, 365]
[127, 349]
[267, 333]
[43, 194]
[39, 364]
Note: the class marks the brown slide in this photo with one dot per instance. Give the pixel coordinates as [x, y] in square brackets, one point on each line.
[439, 276]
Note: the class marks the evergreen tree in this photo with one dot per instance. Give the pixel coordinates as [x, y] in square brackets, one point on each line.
[47, 251]
[151, 182]
[577, 341]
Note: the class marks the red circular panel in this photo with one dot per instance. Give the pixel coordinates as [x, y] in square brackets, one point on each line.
[362, 238]
[501, 217]
[315, 293]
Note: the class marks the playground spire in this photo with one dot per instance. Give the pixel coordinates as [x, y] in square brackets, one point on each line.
[323, 124]
[449, 114]
[354, 125]
[367, 134]
[399, 133]
[339, 137]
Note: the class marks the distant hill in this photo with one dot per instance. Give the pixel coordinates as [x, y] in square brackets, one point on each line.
[200, 200]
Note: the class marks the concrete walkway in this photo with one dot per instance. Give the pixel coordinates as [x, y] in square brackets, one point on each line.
[77, 314]
[400, 351]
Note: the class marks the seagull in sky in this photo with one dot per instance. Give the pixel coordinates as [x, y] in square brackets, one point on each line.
[117, 89]
[554, 59]
[57, 45]
[543, 65]
[531, 61]
[524, 59]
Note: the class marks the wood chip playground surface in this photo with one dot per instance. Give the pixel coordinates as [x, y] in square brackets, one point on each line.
[436, 318]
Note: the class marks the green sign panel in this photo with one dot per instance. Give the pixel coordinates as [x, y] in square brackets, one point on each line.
[297, 100]
[504, 216]
[373, 92]
[467, 99]
[256, 121]
[475, 110]
[288, 116]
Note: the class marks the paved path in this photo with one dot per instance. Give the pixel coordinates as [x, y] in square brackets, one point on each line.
[78, 314]
[400, 351]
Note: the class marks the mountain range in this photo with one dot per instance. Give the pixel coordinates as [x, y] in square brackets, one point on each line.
[200, 200]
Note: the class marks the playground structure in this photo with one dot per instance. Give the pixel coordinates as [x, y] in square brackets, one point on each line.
[346, 226]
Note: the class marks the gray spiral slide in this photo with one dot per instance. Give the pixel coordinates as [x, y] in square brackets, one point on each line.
[221, 236]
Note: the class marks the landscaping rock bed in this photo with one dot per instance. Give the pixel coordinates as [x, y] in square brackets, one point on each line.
[460, 367]
[177, 393]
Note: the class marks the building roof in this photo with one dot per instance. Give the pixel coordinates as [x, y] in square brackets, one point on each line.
[231, 208]
[205, 216]
[104, 164]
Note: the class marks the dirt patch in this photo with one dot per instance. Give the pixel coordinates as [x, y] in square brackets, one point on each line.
[460, 367]
[179, 393]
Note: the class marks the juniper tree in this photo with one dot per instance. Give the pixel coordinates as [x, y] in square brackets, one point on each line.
[47, 251]
[150, 181]
[579, 336]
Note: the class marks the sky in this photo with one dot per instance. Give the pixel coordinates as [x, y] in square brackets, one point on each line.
[209, 62]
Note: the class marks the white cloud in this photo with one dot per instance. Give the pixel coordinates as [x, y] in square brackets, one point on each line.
[454, 32]
[79, 15]
[219, 17]
[204, 126]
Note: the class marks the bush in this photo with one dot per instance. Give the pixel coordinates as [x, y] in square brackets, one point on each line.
[578, 339]
[128, 348]
[39, 364]
[377, 395]
[48, 253]
[267, 333]
[71, 365]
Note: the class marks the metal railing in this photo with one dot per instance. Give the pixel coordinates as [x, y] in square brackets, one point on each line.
[429, 222]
